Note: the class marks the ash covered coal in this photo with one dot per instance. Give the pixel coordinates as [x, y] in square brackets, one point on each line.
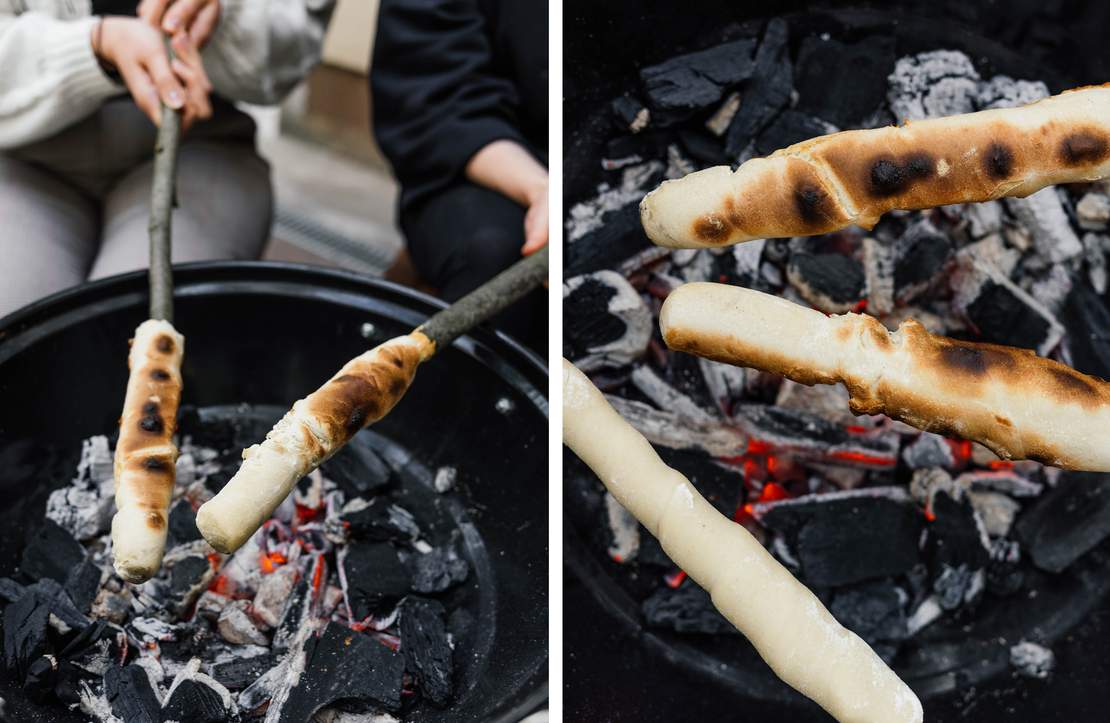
[908, 536]
[311, 613]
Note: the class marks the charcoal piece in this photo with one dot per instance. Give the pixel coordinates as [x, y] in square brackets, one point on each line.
[381, 520]
[920, 263]
[10, 590]
[619, 237]
[682, 86]
[42, 675]
[1087, 318]
[789, 128]
[832, 283]
[589, 322]
[703, 147]
[843, 83]
[437, 570]
[195, 701]
[82, 584]
[629, 113]
[291, 617]
[24, 634]
[767, 93]
[1005, 575]
[241, 671]
[956, 586]
[849, 539]
[341, 664]
[376, 577]
[1067, 522]
[641, 146]
[183, 524]
[1003, 318]
[686, 609]
[54, 598]
[956, 538]
[425, 647]
[188, 578]
[358, 470]
[131, 696]
[873, 610]
[51, 553]
[927, 451]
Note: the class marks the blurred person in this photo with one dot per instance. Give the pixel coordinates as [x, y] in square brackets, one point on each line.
[79, 106]
[459, 95]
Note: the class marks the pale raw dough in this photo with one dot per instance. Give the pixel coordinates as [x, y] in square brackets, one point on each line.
[145, 453]
[1016, 403]
[854, 177]
[786, 623]
[309, 433]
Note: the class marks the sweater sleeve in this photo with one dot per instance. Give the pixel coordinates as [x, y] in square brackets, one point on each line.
[437, 97]
[262, 48]
[50, 76]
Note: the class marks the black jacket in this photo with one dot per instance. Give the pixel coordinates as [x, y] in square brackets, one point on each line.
[449, 77]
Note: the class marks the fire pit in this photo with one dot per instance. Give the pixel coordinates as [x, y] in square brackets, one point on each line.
[966, 572]
[413, 533]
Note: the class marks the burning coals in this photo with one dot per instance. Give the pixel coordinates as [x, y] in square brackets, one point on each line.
[336, 610]
[894, 528]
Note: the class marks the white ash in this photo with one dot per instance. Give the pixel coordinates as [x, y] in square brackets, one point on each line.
[996, 510]
[748, 256]
[85, 507]
[677, 432]
[890, 492]
[625, 531]
[154, 628]
[933, 84]
[983, 218]
[445, 479]
[718, 123]
[771, 274]
[1003, 481]
[725, 382]
[236, 627]
[628, 306]
[1095, 256]
[261, 690]
[614, 164]
[927, 482]
[698, 268]
[154, 673]
[1044, 216]
[846, 478]
[925, 614]
[1093, 211]
[272, 594]
[878, 266]
[666, 397]
[191, 671]
[928, 450]
[334, 715]
[828, 401]
[95, 705]
[781, 550]
[678, 165]
[588, 215]
[1032, 660]
[1002, 91]
[210, 604]
[1052, 289]
[296, 661]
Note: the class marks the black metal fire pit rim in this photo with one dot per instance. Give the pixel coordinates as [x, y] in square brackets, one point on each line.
[208, 272]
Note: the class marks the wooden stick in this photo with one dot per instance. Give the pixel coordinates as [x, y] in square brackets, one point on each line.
[161, 210]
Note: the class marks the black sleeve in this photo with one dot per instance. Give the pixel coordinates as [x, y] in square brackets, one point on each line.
[437, 99]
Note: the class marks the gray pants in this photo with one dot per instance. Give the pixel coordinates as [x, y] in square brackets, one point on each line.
[75, 206]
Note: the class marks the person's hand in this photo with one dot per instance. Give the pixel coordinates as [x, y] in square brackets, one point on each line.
[535, 222]
[137, 51]
[196, 17]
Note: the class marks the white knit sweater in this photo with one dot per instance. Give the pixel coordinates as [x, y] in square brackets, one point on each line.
[49, 77]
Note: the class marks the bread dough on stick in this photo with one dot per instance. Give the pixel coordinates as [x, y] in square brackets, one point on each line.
[1018, 404]
[145, 453]
[854, 177]
[362, 392]
[786, 623]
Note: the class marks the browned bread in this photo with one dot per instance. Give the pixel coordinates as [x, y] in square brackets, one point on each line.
[1016, 403]
[145, 453]
[854, 177]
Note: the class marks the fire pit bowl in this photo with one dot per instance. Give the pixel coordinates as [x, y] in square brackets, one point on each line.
[265, 335]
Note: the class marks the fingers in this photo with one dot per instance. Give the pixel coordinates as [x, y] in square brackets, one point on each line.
[180, 15]
[535, 230]
[157, 65]
[205, 24]
[142, 90]
[151, 11]
[189, 68]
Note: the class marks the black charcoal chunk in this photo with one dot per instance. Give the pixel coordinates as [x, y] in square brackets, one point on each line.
[82, 584]
[955, 536]
[873, 610]
[1005, 575]
[358, 470]
[188, 579]
[767, 93]
[437, 570]
[342, 664]
[131, 696]
[629, 113]
[682, 86]
[832, 283]
[240, 671]
[24, 634]
[424, 644]
[620, 237]
[183, 524]
[849, 539]
[686, 609]
[10, 590]
[924, 256]
[196, 702]
[291, 617]
[703, 147]
[844, 83]
[1087, 318]
[591, 325]
[376, 577]
[381, 520]
[1002, 318]
[1068, 521]
[51, 553]
[789, 128]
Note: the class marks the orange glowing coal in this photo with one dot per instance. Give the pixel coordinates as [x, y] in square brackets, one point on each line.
[270, 561]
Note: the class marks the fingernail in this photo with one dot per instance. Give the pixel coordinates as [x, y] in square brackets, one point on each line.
[172, 25]
[175, 99]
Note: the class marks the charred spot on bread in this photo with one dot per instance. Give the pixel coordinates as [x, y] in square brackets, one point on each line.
[812, 203]
[972, 360]
[156, 464]
[891, 176]
[1084, 146]
[152, 423]
[164, 343]
[1072, 384]
[397, 387]
[150, 407]
[711, 228]
[155, 521]
[159, 375]
[1003, 421]
[998, 161]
